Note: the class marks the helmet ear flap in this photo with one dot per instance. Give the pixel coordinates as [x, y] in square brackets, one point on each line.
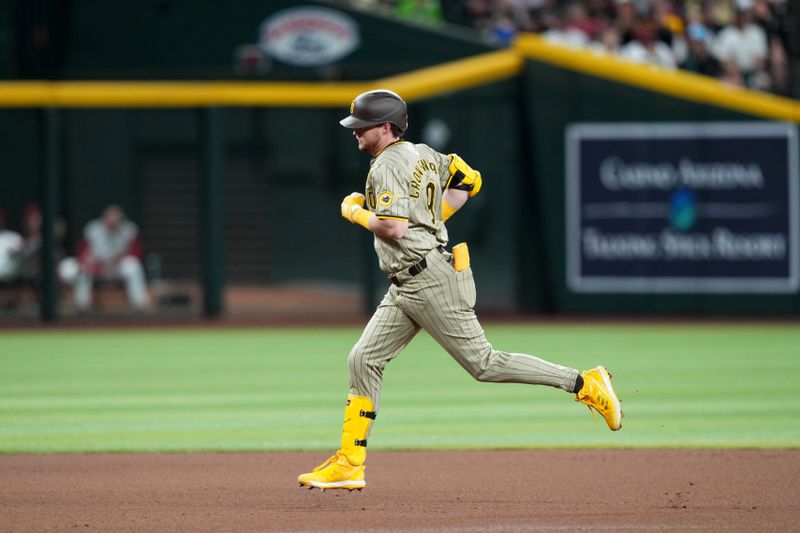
[396, 131]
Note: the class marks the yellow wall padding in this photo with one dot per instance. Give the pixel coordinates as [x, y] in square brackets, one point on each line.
[417, 85]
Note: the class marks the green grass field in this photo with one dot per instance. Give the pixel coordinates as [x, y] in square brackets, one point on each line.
[283, 389]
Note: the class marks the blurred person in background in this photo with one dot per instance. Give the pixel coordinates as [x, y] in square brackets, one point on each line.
[717, 13]
[608, 42]
[772, 17]
[601, 10]
[10, 249]
[30, 266]
[625, 20]
[742, 48]
[670, 27]
[577, 18]
[646, 48]
[502, 30]
[30, 257]
[699, 58]
[497, 20]
[110, 250]
[522, 13]
[560, 31]
[480, 12]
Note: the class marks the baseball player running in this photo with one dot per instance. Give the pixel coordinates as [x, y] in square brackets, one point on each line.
[411, 191]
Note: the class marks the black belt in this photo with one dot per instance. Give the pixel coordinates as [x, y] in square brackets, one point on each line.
[415, 269]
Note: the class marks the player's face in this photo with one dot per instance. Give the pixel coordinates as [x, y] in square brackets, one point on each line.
[371, 139]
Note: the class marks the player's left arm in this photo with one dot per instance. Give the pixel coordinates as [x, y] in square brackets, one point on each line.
[452, 201]
[463, 182]
[462, 176]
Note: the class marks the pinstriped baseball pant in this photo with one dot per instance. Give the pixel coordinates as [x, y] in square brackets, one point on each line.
[440, 301]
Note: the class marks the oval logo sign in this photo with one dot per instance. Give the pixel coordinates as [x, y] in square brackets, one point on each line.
[308, 36]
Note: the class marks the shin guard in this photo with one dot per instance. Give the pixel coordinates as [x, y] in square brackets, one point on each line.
[358, 416]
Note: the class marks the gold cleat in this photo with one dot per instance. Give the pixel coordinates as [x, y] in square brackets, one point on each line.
[335, 473]
[598, 394]
[345, 469]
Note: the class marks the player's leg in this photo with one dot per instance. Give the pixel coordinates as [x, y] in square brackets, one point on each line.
[69, 271]
[386, 334]
[132, 273]
[83, 291]
[445, 310]
[389, 331]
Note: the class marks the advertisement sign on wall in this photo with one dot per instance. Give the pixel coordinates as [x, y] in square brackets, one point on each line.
[309, 36]
[682, 208]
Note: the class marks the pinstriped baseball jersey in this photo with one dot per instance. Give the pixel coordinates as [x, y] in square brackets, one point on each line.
[405, 182]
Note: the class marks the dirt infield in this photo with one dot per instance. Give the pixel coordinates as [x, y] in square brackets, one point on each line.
[407, 492]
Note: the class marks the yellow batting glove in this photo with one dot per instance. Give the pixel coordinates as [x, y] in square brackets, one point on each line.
[353, 209]
[350, 203]
[463, 176]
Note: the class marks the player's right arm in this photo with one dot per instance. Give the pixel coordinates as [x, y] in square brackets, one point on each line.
[386, 228]
[387, 215]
